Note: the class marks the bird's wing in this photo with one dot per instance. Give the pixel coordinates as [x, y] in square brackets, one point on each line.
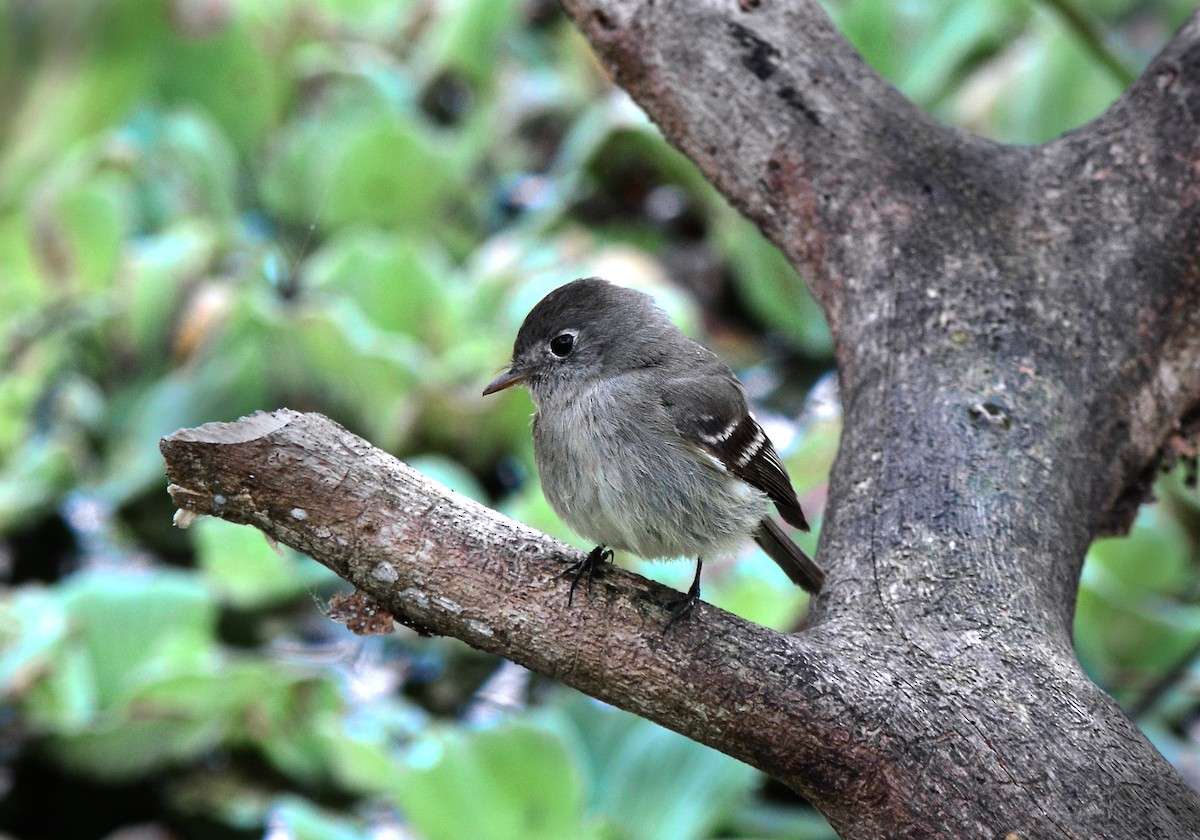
[709, 410]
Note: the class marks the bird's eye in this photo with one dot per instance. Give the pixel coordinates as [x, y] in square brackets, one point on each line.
[561, 344]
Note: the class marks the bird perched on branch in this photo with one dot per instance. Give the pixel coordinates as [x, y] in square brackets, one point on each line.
[643, 439]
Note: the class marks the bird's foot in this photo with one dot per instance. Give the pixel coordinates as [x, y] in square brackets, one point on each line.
[682, 607]
[585, 568]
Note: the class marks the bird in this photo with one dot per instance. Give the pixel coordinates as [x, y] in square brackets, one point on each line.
[643, 438]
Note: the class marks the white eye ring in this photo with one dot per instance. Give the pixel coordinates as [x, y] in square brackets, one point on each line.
[563, 343]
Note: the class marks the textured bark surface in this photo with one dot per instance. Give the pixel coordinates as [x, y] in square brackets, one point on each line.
[1017, 334]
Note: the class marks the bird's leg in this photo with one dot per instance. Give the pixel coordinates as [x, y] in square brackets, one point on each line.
[682, 607]
[587, 566]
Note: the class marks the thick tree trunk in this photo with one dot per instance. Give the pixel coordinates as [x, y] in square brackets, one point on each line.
[1017, 333]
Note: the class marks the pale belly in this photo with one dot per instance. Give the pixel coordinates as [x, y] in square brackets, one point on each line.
[658, 501]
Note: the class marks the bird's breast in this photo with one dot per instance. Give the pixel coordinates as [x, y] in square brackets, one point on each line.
[618, 474]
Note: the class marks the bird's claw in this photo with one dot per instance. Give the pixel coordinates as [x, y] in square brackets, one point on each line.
[585, 567]
[682, 607]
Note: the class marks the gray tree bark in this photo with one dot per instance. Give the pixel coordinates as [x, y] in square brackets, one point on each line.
[1017, 336]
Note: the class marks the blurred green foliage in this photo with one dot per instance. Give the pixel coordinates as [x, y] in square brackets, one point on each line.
[209, 207]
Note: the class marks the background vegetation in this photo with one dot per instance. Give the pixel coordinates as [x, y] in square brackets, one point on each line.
[208, 208]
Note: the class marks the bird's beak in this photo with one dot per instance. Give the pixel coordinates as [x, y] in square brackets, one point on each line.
[506, 380]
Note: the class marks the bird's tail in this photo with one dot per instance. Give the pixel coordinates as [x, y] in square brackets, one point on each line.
[795, 563]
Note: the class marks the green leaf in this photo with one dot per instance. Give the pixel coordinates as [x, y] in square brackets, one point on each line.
[360, 156]
[360, 745]
[390, 277]
[231, 74]
[200, 161]
[333, 351]
[298, 819]
[871, 26]
[1154, 557]
[80, 90]
[139, 626]
[650, 782]
[758, 591]
[809, 462]
[515, 782]
[92, 217]
[365, 764]
[771, 288]
[381, 171]
[294, 185]
[1061, 88]
[135, 687]
[23, 288]
[50, 678]
[1116, 639]
[117, 748]
[64, 700]
[948, 38]
[1131, 616]
[466, 38]
[764, 820]
[289, 723]
[243, 568]
[33, 625]
[41, 469]
[159, 268]
[530, 506]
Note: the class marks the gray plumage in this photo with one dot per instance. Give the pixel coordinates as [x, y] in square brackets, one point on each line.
[642, 437]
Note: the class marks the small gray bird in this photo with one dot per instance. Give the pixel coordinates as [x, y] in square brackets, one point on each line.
[642, 437]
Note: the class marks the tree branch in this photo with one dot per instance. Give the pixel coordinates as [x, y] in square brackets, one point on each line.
[1129, 184]
[444, 564]
[780, 112]
[810, 709]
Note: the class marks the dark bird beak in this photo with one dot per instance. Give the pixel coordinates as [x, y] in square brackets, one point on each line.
[506, 380]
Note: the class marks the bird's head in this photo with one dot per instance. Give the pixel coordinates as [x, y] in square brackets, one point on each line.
[585, 331]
